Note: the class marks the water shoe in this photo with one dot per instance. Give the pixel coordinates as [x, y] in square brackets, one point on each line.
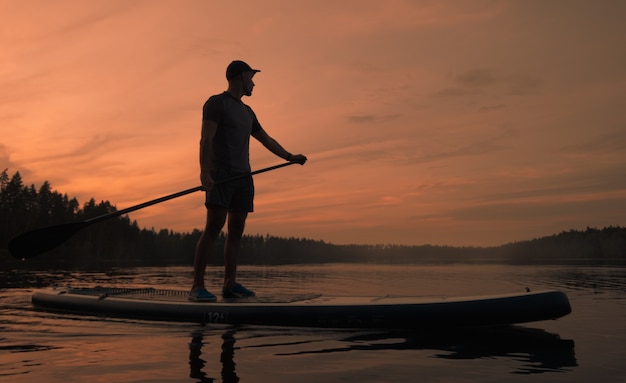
[201, 295]
[237, 291]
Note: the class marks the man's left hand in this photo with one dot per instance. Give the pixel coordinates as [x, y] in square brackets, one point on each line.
[298, 158]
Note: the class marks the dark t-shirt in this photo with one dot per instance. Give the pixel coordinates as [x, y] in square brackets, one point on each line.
[235, 123]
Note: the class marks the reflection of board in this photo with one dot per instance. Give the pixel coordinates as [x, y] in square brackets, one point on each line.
[310, 310]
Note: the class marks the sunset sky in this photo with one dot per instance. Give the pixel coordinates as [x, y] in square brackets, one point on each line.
[425, 122]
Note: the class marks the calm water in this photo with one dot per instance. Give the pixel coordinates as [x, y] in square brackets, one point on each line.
[587, 345]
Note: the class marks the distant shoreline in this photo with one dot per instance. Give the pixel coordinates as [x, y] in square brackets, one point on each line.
[591, 247]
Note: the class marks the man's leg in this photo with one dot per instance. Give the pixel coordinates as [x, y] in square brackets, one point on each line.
[215, 219]
[236, 224]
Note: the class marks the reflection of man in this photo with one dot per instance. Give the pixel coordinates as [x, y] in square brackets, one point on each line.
[227, 124]
[228, 358]
[197, 364]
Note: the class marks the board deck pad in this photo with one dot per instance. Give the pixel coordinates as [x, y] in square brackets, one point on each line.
[153, 294]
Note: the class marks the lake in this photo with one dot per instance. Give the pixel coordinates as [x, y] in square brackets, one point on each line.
[587, 345]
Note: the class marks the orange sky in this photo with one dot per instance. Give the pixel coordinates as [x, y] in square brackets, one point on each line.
[425, 122]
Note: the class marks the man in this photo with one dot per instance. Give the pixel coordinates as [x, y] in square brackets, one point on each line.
[227, 124]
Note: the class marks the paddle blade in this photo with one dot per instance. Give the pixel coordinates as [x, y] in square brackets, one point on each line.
[35, 242]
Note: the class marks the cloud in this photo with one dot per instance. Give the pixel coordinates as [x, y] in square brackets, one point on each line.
[489, 145]
[370, 118]
[492, 108]
[5, 159]
[476, 78]
[564, 212]
[604, 143]
[489, 82]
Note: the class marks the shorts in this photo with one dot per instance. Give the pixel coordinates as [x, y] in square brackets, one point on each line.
[237, 195]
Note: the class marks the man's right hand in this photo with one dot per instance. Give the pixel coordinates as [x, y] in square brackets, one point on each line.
[207, 182]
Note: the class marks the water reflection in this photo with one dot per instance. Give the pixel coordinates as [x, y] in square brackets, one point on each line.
[227, 358]
[534, 351]
[196, 363]
[537, 350]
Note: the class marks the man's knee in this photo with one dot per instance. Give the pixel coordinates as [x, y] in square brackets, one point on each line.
[216, 218]
[236, 223]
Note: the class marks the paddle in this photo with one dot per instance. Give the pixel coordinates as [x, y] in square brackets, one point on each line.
[35, 242]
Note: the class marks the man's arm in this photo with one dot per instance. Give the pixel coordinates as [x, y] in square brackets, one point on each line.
[273, 146]
[209, 128]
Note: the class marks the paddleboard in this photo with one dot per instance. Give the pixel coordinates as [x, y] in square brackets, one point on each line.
[309, 310]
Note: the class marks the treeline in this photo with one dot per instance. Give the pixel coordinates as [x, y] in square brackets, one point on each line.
[120, 242]
[115, 241]
[592, 246]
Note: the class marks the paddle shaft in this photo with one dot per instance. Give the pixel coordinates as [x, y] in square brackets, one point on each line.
[35, 242]
[180, 194]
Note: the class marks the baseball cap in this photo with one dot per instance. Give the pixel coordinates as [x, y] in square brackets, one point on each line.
[237, 67]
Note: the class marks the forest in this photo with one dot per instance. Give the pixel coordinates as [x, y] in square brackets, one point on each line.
[121, 242]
